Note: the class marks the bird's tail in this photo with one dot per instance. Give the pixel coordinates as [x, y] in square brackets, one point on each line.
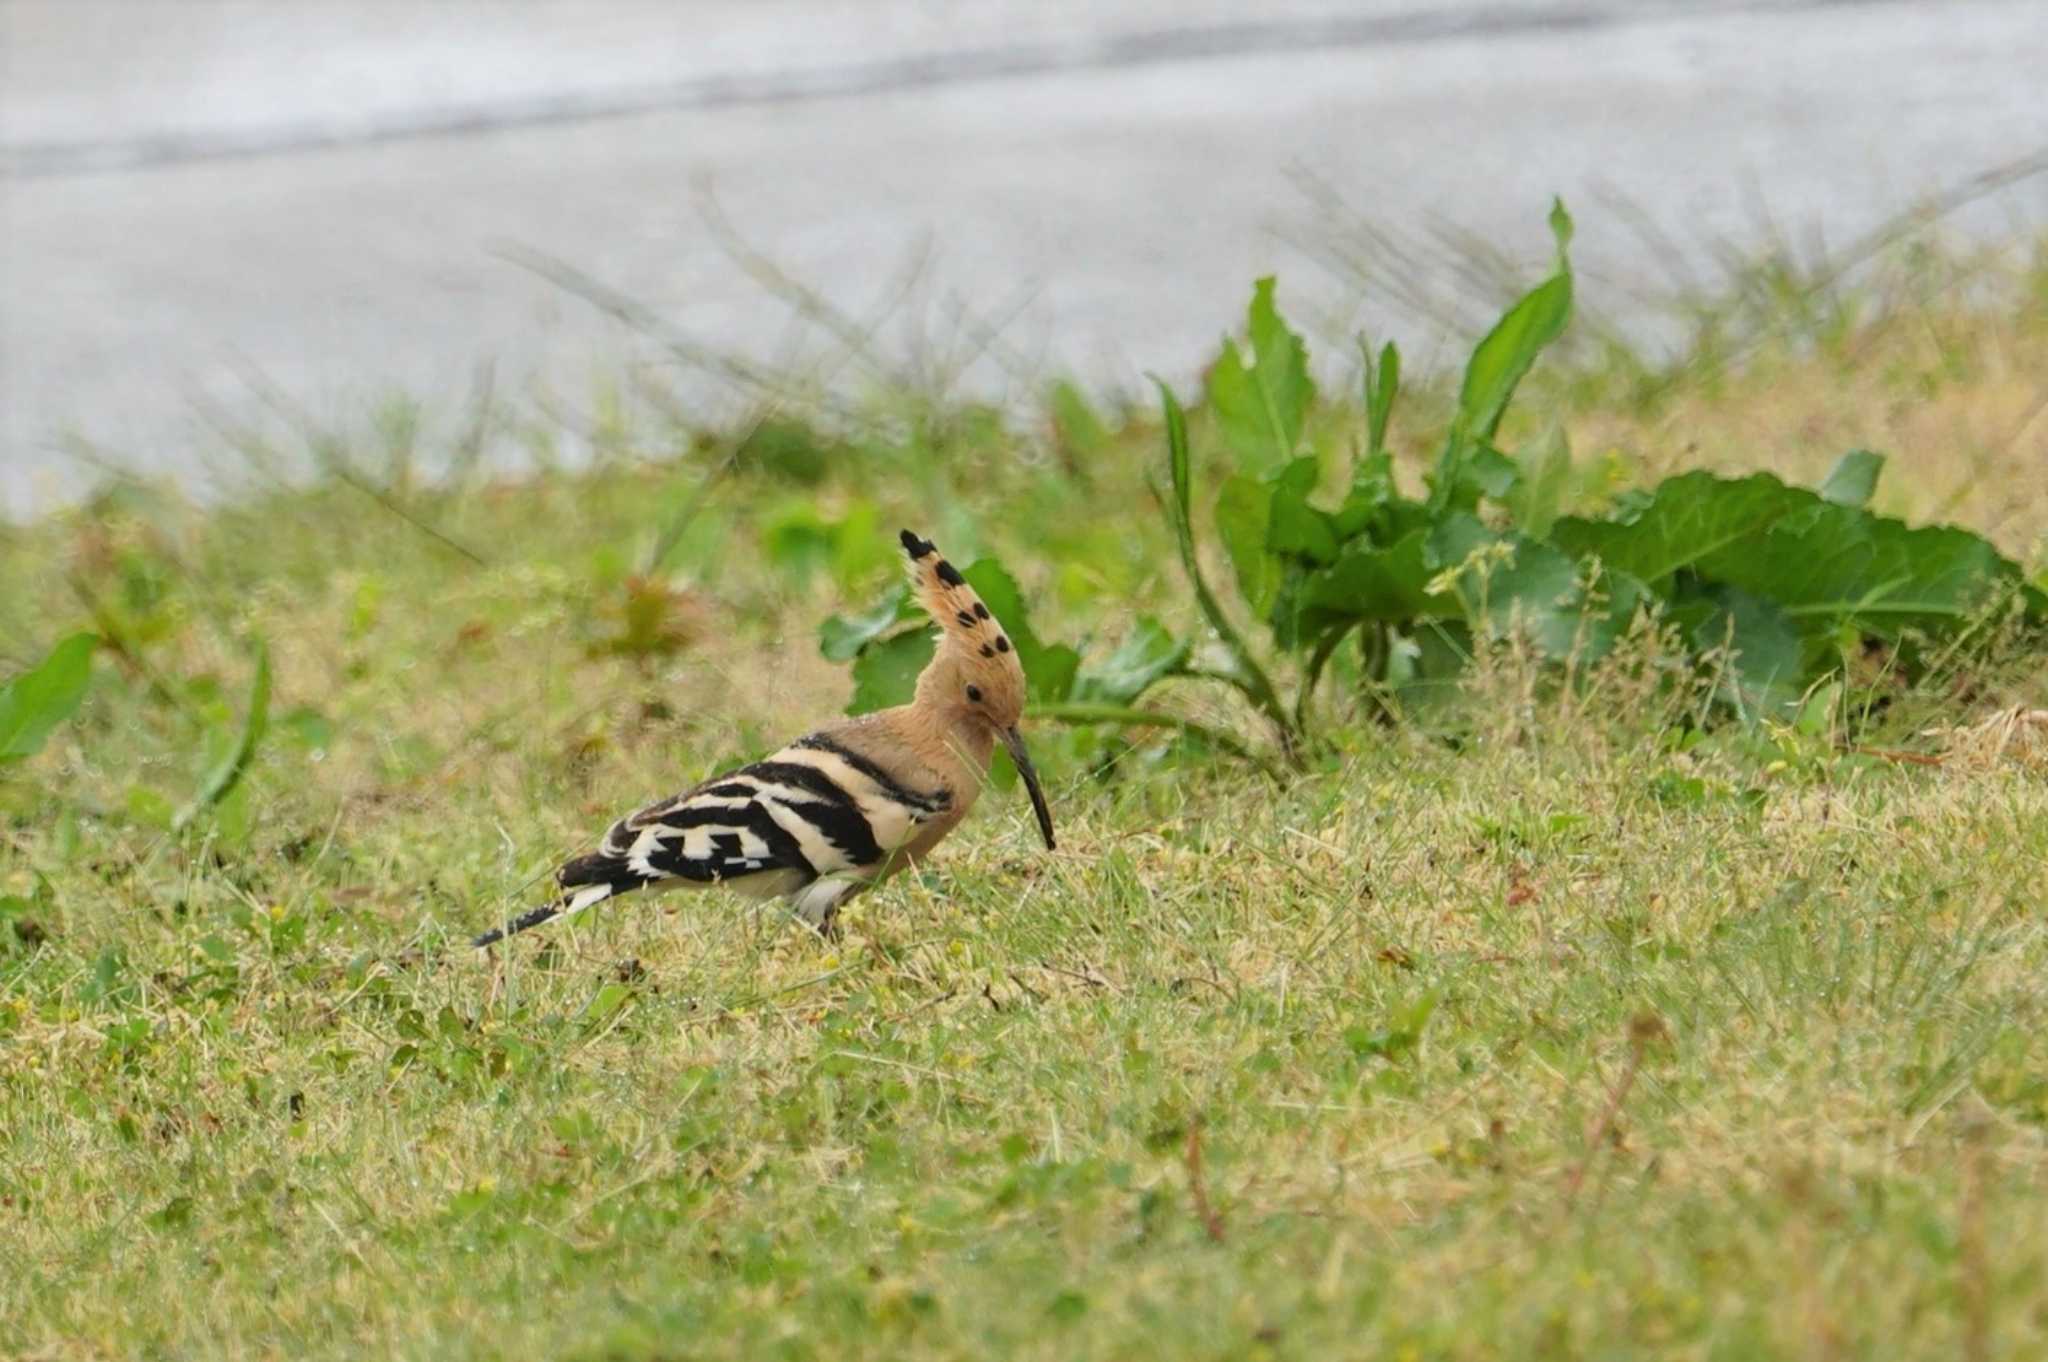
[567, 906]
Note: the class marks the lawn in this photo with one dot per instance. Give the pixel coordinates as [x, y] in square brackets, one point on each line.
[1569, 1020]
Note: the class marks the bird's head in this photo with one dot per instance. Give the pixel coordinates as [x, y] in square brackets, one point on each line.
[974, 680]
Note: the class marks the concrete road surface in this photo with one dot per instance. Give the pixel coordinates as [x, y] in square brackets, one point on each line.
[205, 201]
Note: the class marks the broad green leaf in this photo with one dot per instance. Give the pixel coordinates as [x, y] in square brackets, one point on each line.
[1543, 592]
[1366, 583]
[1048, 668]
[1499, 363]
[1244, 509]
[885, 673]
[1537, 496]
[1823, 563]
[1687, 518]
[1507, 353]
[229, 770]
[1455, 538]
[1537, 591]
[1533, 587]
[1828, 565]
[1147, 653]
[1295, 527]
[1555, 601]
[1610, 602]
[1853, 478]
[1486, 472]
[1289, 616]
[841, 637]
[1767, 657]
[35, 702]
[1261, 394]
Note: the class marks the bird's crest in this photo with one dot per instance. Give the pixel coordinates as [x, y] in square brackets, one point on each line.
[972, 641]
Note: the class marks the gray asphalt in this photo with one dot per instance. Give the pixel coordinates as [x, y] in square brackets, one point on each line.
[322, 201]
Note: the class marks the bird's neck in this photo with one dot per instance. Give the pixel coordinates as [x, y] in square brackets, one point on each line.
[955, 746]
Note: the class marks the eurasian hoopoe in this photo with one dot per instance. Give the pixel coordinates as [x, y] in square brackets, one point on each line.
[836, 811]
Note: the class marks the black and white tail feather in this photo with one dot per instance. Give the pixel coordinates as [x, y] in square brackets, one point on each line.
[814, 823]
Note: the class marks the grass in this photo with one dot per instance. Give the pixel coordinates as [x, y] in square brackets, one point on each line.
[1555, 1032]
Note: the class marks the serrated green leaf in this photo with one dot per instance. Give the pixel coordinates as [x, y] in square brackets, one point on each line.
[1147, 653]
[1261, 394]
[1853, 478]
[1048, 668]
[1295, 527]
[885, 673]
[1244, 508]
[35, 702]
[1840, 565]
[1822, 563]
[840, 637]
[1684, 520]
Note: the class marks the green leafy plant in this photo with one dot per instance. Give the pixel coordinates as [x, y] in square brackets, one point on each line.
[35, 702]
[1772, 584]
[1768, 586]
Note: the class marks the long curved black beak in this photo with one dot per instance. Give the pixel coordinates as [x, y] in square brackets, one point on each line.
[1014, 740]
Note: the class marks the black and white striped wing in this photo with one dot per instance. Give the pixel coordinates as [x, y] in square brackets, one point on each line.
[815, 808]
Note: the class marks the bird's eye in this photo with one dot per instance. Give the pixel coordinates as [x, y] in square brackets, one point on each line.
[974, 695]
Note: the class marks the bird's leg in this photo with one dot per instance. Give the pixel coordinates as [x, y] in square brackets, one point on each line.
[817, 903]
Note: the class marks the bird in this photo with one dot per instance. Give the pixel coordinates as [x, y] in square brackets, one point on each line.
[843, 807]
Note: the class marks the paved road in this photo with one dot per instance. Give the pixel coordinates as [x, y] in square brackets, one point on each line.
[323, 194]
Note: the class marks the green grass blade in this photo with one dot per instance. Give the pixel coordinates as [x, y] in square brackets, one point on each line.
[228, 772]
